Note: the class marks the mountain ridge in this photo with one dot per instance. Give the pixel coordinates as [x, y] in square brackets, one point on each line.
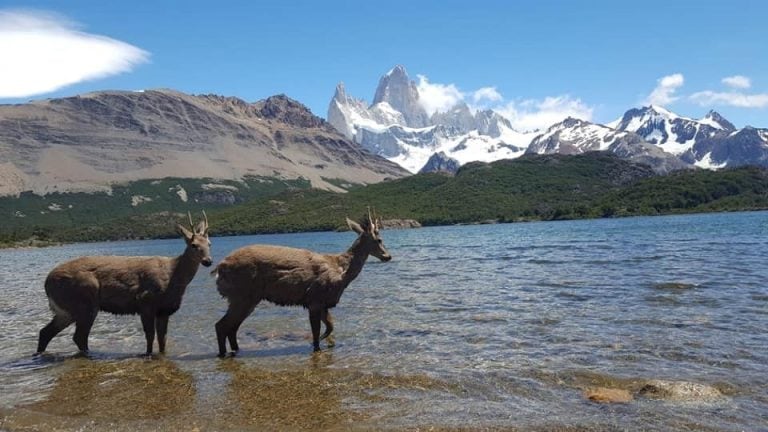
[88, 142]
[678, 142]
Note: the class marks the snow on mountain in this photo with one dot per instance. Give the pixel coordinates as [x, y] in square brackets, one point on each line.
[672, 133]
[746, 146]
[714, 119]
[574, 136]
[711, 142]
[416, 146]
[397, 127]
[396, 89]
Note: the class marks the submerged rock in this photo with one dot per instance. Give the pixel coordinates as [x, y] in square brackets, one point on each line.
[679, 391]
[674, 286]
[608, 395]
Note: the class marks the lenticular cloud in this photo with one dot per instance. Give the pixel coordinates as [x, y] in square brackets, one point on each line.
[40, 53]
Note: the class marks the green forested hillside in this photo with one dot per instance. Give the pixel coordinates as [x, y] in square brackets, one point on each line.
[550, 187]
[60, 215]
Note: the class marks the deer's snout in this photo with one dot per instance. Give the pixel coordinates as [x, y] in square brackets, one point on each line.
[206, 262]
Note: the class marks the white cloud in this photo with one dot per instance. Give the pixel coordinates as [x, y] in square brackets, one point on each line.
[489, 94]
[534, 114]
[737, 82]
[526, 115]
[437, 97]
[664, 93]
[708, 98]
[42, 52]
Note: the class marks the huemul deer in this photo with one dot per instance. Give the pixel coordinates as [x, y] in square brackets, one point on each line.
[149, 286]
[292, 277]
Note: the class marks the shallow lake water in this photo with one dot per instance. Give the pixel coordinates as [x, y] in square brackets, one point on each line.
[488, 326]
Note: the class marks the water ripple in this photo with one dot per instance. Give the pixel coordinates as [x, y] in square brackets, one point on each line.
[496, 326]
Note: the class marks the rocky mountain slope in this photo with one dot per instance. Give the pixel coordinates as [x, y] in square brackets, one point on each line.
[574, 136]
[92, 141]
[442, 163]
[710, 142]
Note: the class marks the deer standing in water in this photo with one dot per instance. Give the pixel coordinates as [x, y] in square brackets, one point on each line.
[151, 287]
[292, 277]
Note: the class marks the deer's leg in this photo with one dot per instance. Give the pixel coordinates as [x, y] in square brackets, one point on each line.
[314, 321]
[237, 320]
[222, 330]
[327, 319]
[83, 324]
[229, 324]
[57, 324]
[161, 325]
[148, 322]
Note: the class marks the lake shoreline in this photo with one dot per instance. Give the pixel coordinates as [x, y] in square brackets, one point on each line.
[34, 243]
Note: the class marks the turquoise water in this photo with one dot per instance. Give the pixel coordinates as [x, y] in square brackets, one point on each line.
[468, 326]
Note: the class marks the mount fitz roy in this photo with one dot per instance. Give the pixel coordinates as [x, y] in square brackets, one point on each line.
[397, 127]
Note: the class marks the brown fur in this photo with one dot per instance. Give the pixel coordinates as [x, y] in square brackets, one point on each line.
[151, 287]
[291, 277]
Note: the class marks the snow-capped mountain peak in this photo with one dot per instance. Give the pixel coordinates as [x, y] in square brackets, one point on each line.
[397, 127]
[673, 133]
[397, 89]
[714, 119]
[574, 136]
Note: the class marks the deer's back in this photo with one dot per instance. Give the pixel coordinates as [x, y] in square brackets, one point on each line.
[278, 274]
[117, 284]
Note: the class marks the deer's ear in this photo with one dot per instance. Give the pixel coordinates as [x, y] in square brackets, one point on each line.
[187, 234]
[354, 226]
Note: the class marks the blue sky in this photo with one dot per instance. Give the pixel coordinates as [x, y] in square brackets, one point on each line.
[593, 58]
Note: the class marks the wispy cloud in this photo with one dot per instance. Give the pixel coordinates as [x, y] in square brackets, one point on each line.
[535, 114]
[436, 97]
[737, 82]
[664, 93]
[489, 94]
[733, 97]
[43, 52]
[709, 98]
[525, 115]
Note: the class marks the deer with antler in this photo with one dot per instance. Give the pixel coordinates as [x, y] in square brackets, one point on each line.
[151, 287]
[292, 277]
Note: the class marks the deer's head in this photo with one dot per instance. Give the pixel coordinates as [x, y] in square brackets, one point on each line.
[196, 237]
[369, 236]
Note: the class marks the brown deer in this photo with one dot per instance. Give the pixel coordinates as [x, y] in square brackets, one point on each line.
[292, 277]
[151, 287]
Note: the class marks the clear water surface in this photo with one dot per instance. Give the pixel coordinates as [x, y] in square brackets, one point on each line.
[488, 326]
